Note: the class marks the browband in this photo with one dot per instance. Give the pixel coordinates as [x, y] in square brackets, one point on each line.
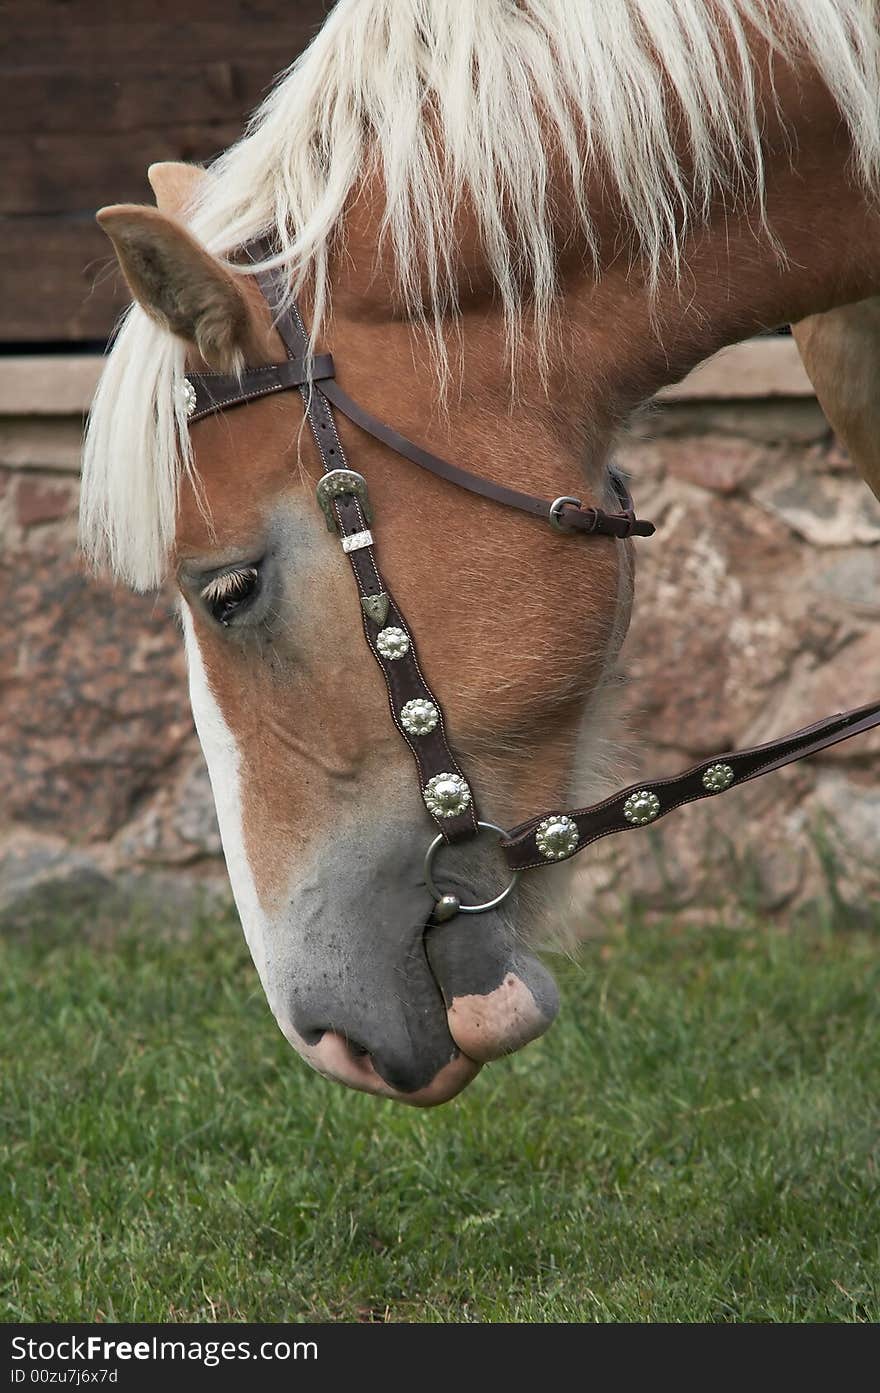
[216, 391]
[219, 391]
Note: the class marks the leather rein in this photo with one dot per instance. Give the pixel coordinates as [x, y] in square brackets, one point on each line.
[342, 493]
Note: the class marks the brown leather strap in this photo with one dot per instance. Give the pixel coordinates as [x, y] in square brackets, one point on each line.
[571, 517]
[644, 803]
[219, 391]
[385, 628]
[216, 391]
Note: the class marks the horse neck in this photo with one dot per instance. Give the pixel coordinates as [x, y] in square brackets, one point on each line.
[816, 247]
[618, 339]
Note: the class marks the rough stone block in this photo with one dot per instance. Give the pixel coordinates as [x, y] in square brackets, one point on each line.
[826, 511]
[37, 502]
[851, 577]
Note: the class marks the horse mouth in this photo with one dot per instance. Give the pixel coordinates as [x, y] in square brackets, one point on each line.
[342, 1061]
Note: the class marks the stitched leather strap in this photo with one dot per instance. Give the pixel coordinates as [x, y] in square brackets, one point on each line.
[644, 803]
[385, 628]
[592, 521]
[216, 391]
[549, 837]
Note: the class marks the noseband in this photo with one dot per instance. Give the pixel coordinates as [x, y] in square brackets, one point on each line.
[547, 838]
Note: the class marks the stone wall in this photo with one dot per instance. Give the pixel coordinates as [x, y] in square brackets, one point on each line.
[105, 798]
[756, 613]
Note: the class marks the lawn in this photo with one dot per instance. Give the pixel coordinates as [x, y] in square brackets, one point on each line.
[696, 1139]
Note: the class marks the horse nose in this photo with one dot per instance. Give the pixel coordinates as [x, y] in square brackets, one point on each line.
[371, 1015]
[412, 1076]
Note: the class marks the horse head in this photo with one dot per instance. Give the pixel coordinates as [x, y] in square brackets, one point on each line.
[516, 263]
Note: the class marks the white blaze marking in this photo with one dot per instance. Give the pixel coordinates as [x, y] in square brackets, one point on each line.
[224, 766]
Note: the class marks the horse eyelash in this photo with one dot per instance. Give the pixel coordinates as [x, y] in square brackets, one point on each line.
[229, 585]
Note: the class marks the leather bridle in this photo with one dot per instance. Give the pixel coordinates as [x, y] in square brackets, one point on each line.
[547, 838]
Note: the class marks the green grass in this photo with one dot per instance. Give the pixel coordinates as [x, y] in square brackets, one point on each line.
[696, 1139]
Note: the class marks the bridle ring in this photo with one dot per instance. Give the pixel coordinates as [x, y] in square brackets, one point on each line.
[466, 908]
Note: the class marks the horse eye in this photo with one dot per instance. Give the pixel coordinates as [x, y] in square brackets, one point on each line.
[231, 592]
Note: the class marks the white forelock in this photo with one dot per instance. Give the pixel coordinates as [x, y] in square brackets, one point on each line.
[458, 102]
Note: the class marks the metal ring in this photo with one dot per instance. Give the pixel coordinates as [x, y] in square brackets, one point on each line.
[555, 512]
[466, 908]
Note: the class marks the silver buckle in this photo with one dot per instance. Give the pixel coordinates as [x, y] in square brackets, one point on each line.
[334, 485]
[446, 906]
[555, 514]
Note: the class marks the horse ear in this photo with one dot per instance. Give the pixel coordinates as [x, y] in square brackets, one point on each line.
[179, 283]
[840, 350]
[175, 186]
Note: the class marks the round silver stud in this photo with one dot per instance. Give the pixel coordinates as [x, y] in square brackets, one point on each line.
[392, 643]
[188, 398]
[557, 837]
[446, 795]
[717, 778]
[641, 807]
[446, 907]
[419, 717]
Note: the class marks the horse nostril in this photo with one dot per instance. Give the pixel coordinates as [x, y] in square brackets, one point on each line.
[421, 1080]
[345, 1057]
[377, 1048]
[313, 1035]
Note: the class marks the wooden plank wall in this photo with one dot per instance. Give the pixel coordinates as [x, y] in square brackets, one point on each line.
[88, 99]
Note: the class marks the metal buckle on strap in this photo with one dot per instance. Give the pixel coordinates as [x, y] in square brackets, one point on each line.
[335, 485]
[555, 514]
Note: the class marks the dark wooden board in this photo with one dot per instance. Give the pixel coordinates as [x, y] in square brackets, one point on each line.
[88, 99]
[50, 173]
[138, 98]
[65, 33]
[64, 283]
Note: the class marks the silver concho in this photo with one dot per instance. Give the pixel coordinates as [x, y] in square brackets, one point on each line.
[717, 778]
[188, 398]
[641, 807]
[446, 795]
[419, 717]
[392, 643]
[557, 837]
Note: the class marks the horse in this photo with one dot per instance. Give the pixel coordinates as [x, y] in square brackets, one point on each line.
[511, 222]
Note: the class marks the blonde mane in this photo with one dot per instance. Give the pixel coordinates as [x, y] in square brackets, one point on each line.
[456, 102]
